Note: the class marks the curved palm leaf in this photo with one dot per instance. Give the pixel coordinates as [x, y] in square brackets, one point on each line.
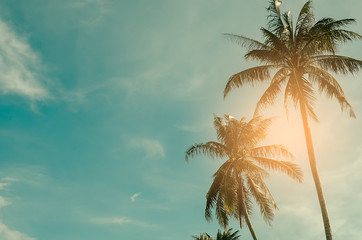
[251, 76]
[338, 64]
[211, 149]
[289, 168]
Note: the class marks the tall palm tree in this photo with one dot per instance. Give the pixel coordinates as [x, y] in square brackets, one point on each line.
[300, 56]
[241, 176]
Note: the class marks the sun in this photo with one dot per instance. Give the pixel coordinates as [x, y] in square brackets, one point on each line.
[287, 131]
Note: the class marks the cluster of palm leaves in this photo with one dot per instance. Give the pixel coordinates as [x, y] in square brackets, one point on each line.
[299, 58]
[241, 177]
[226, 235]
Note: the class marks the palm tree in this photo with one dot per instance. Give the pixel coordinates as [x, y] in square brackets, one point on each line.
[300, 56]
[241, 176]
[227, 235]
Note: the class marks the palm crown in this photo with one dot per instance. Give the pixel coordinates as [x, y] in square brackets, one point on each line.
[240, 177]
[225, 235]
[301, 55]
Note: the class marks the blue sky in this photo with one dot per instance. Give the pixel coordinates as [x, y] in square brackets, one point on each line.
[99, 100]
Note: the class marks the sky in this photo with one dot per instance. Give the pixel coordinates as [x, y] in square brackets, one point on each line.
[99, 100]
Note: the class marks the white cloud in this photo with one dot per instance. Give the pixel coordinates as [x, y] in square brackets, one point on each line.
[20, 66]
[122, 221]
[8, 234]
[150, 146]
[134, 196]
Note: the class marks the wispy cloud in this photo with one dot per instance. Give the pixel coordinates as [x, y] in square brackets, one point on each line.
[95, 11]
[157, 82]
[85, 3]
[20, 66]
[5, 232]
[33, 175]
[3, 185]
[150, 146]
[4, 202]
[134, 196]
[122, 221]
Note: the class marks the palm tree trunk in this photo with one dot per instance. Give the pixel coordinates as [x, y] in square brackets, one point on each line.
[246, 214]
[250, 226]
[313, 167]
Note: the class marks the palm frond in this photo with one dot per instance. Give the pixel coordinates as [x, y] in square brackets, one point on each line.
[330, 23]
[216, 189]
[288, 33]
[228, 191]
[275, 42]
[267, 192]
[304, 22]
[227, 235]
[289, 168]
[221, 213]
[275, 22]
[234, 235]
[265, 56]
[210, 149]
[220, 127]
[272, 91]
[246, 42]
[243, 200]
[338, 64]
[266, 207]
[258, 127]
[323, 41]
[211, 199]
[271, 151]
[252, 168]
[328, 84]
[249, 76]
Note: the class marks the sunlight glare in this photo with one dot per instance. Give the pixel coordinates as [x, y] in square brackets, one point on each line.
[288, 132]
